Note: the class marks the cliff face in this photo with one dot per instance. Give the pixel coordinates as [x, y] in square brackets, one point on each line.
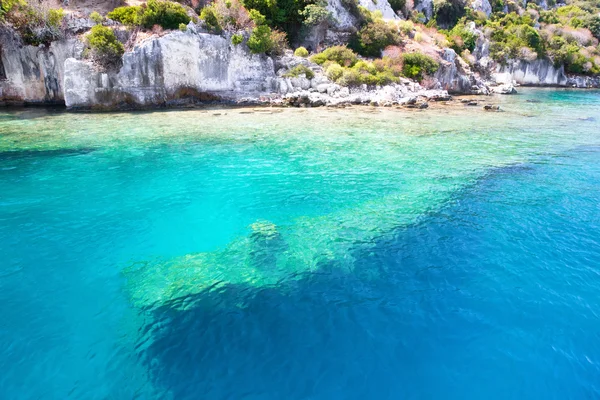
[455, 75]
[178, 68]
[541, 73]
[32, 74]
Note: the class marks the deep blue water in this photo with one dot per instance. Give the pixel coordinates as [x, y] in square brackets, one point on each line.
[495, 296]
[486, 284]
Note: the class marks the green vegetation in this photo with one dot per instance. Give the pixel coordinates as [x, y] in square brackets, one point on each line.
[566, 35]
[260, 39]
[129, 15]
[416, 65]
[375, 36]
[301, 52]
[183, 27]
[284, 15]
[237, 39]
[460, 38]
[300, 70]
[167, 14]
[448, 12]
[315, 14]
[211, 21]
[7, 5]
[343, 66]
[104, 46]
[96, 17]
[338, 54]
[263, 39]
[35, 23]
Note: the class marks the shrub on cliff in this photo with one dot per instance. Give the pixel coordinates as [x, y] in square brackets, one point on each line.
[460, 38]
[36, 23]
[237, 39]
[338, 54]
[283, 15]
[448, 12]
[511, 36]
[315, 14]
[6, 6]
[301, 52]
[232, 15]
[300, 70]
[129, 15]
[96, 17]
[374, 37]
[260, 39]
[167, 14]
[104, 46]
[263, 39]
[417, 65]
[209, 16]
[280, 44]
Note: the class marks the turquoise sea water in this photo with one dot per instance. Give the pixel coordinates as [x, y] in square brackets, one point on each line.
[303, 254]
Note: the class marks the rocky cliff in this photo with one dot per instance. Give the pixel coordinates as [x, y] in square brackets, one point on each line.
[33, 75]
[175, 69]
[540, 73]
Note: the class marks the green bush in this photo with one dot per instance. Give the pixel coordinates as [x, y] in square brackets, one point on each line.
[301, 52]
[417, 65]
[104, 46]
[300, 70]
[6, 6]
[373, 38]
[377, 72]
[338, 54]
[570, 55]
[183, 27]
[167, 14]
[593, 24]
[461, 39]
[36, 24]
[284, 15]
[280, 44]
[211, 20]
[314, 14]
[96, 17]
[129, 15]
[334, 72]
[260, 39]
[513, 33]
[237, 39]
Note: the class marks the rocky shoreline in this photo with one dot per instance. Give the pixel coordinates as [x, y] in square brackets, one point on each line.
[193, 68]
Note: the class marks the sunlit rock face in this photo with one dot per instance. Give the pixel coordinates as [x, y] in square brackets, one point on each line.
[455, 75]
[538, 72]
[483, 6]
[382, 6]
[33, 74]
[174, 69]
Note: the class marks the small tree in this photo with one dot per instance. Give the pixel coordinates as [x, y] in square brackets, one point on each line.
[416, 65]
[260, 39]
[104, 46]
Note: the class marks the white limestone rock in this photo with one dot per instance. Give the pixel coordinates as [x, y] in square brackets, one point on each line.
[176, 68]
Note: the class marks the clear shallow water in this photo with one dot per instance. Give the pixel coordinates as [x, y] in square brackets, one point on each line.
[306, 254]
